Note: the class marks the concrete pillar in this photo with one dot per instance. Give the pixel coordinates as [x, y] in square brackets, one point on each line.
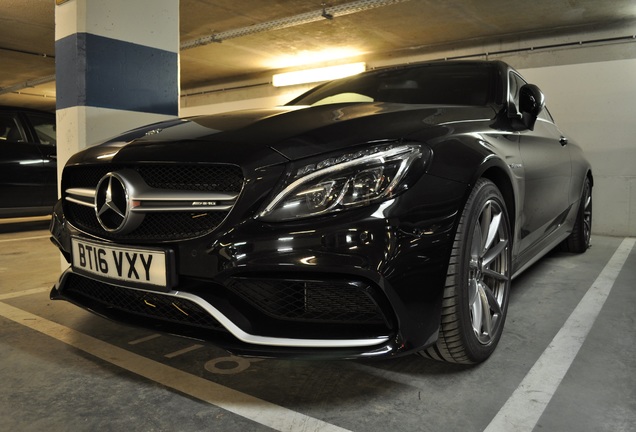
[117, 68]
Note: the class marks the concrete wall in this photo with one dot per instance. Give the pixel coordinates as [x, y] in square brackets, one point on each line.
[591, 92]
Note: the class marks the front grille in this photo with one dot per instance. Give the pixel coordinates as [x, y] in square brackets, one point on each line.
[132, 305]
[156, 226]
[337, 302]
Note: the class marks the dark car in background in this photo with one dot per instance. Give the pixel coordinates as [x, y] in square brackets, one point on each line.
[28, 169]
[376, 215]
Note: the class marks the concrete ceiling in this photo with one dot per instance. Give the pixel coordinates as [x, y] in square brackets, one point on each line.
[370, 33]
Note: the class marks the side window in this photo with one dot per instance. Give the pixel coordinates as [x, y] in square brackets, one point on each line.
[44, 127]
[10, 130]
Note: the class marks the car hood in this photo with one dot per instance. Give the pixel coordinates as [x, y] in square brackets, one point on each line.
[276, 135]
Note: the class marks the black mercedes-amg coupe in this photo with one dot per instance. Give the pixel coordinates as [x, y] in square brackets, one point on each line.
[373, 216]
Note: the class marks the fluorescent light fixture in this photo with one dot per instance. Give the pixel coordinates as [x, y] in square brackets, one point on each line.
[317, 75]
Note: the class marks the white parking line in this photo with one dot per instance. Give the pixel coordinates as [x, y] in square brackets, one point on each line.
[523, 409]
[22, 220]
[244, 405]
[24, 238]
[144, 339]
[24, 293]
[183, 351]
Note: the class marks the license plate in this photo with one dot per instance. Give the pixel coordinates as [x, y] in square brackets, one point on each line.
[131, 265]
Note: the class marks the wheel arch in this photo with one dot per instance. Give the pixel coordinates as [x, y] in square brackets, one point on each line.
[500, 177]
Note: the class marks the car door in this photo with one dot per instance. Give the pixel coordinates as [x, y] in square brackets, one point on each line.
[44, 135]
[22, 174]
[547, 172]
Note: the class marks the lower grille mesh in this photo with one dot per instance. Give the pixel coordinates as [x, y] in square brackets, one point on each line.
[310, 301]
[274, 308]
[142, 304]
[155, 227]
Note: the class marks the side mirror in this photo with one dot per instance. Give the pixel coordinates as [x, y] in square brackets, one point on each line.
[531, 103]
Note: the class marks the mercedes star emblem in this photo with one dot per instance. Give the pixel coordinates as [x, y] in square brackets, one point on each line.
[112, 204]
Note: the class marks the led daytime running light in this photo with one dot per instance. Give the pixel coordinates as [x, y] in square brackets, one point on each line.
[340, 159]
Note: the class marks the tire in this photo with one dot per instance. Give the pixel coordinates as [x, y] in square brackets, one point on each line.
[478, 278]
[579, 239]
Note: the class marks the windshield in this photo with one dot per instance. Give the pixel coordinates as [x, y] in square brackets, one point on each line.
[436, 83]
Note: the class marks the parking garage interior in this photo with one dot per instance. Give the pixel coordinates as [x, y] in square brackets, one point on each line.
[566, 358]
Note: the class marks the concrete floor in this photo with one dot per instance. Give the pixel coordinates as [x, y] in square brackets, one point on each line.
[62, 369]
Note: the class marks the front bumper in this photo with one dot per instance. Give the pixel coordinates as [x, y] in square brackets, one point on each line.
[351, 286]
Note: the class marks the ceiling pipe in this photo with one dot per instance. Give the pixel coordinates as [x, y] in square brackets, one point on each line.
[30, 83]
[45, 55]
[325, 12]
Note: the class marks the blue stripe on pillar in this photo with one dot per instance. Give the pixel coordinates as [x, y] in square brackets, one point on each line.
[109, 73]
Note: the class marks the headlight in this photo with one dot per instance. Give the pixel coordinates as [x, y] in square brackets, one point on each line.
[347, 181]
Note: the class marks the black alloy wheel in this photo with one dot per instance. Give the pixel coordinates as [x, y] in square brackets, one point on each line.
[478, 280]
[579, 239]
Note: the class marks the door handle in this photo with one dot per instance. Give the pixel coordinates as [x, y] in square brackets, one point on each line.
[563, 141]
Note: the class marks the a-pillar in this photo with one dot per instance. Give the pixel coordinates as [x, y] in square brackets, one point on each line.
[117, 68]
